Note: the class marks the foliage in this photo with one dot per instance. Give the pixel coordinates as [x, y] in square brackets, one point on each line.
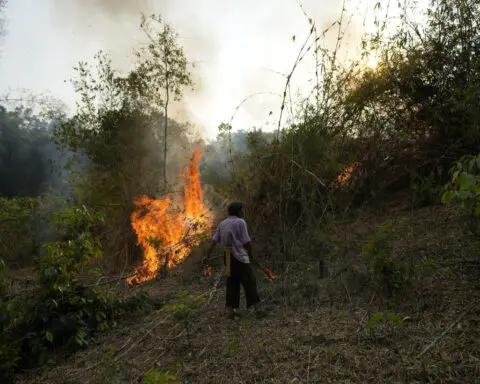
[155, 377]
[17, 230]
[388, 317]
[59, 270]
[122, 113]
[425, 190]
[186, 307]
[393, 127]
[464, 186]
[64, 312]
[24, 153]
[9, 353]
[383, 324]
[389, 273]
[163, 68]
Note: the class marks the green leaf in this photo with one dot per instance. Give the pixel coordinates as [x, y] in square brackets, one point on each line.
[466, 181]
[49, 336]
[329, 354]
[448, 196]
[376, 317]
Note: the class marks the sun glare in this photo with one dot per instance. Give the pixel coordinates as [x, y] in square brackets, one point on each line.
[372, 62]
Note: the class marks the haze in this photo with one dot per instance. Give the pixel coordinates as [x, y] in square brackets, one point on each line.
[237, 48]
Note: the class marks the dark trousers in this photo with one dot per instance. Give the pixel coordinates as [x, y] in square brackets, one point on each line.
[241, 274]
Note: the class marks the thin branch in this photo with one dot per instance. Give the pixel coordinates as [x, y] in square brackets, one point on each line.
[442, 334]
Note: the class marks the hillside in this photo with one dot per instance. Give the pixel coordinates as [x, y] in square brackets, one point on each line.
[317, 331]
[361, 192]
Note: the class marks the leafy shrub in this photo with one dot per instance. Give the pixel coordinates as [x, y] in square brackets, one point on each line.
[17, 234]
[65, 312]
[387, 317]
[9, 354]
[389, 273]
[185, 309]
[384, 324]
[464, 186]
[425, 190]
[155, 377]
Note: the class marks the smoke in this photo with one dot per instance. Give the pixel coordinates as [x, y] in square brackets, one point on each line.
[113, 26]
[2, 20]
[238, 48]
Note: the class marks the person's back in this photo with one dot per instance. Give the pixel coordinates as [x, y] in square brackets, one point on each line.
[232, 233]
[237, 227]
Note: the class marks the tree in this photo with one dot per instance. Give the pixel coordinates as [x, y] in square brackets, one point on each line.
[23, 162]
[115, 138]
[164, 65]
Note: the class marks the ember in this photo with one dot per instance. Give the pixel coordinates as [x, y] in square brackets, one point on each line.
[270, 274]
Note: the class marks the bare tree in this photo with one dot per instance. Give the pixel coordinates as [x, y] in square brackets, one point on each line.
[165, 65]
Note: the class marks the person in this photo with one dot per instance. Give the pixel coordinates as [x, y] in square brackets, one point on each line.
[232, 234]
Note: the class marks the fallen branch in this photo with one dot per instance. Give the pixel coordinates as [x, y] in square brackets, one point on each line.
[215, 288]
[367, 312]
[442, 335]
[116, 279]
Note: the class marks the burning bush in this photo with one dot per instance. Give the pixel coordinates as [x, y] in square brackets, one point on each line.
[166, 231]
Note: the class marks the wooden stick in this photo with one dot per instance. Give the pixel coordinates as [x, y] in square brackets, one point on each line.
[443, 334]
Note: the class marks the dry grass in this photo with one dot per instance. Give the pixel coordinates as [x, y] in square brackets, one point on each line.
[317, 330]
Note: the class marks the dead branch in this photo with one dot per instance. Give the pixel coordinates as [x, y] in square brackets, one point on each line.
[116, 279]
[442, 335]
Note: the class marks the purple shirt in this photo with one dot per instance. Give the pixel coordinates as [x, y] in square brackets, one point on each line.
[238, 228]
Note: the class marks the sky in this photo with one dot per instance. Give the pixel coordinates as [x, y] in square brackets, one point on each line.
[239, 48]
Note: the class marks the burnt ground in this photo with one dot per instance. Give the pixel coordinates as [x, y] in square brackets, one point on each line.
[317, 330]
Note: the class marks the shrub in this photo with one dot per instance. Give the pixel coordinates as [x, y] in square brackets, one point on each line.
[464, 187]
[387, 317]
[185, 309]
[155, 377]
[17, 234]
[389, 273]
[384, 324]
[425, 190]
[65, 312]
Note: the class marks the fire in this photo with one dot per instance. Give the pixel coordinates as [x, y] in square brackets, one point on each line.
[346, 175]
[165, 231]
[193, 189]
[270, 274]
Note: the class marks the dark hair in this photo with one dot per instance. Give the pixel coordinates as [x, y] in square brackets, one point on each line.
[234, 208]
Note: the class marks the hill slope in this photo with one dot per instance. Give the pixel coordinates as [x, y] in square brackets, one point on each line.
[317, 331]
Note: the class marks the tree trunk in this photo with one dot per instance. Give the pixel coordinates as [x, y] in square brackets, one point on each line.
[165, 134]
[167, 100]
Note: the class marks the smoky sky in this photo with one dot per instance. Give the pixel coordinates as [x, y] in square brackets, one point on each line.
[238, 48]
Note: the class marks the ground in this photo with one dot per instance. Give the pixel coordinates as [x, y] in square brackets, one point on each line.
[317, 330]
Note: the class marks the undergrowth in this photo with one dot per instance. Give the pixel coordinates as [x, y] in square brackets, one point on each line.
[65, 312]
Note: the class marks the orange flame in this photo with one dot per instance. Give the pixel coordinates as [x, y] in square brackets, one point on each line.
[193, 189]
[346, 175]
[270, 274]
[164, 230]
